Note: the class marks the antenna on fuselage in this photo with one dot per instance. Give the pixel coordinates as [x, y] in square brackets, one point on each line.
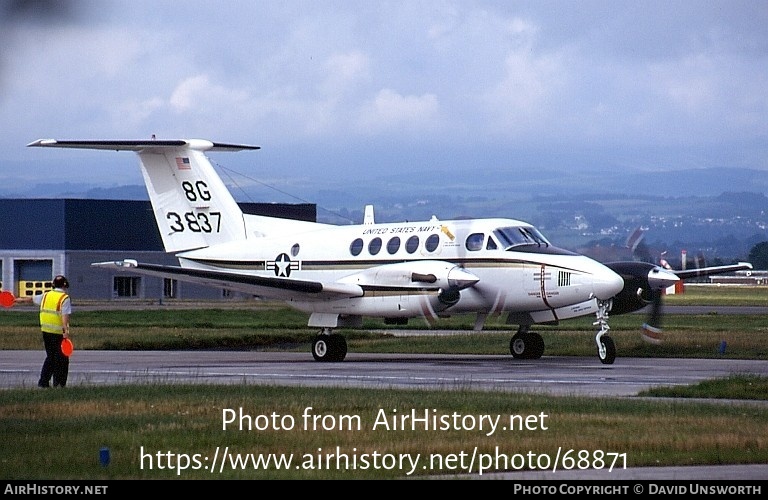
[368, 217]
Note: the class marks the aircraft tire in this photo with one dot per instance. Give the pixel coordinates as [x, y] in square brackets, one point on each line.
[517, 346]
[329, 348]
[537, 345]
[339, 344]
[320, 347]
[526, 345]
[609, 347]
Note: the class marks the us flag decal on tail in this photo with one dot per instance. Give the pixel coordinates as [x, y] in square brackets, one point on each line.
[183, 163]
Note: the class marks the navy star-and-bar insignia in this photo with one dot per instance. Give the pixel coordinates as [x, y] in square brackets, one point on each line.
[282, 265]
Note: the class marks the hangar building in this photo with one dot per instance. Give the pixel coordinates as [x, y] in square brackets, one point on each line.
[40, 238]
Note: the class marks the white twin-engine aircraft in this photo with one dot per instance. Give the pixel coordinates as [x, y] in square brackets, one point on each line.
[396, 271]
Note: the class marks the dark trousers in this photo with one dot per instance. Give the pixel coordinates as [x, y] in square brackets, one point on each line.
[56, 365]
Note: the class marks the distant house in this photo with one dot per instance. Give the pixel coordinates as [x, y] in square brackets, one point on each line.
[40, 238]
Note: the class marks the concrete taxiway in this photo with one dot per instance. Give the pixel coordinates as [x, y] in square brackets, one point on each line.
[584, 376]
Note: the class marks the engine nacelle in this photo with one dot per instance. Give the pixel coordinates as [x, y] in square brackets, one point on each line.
[427, 274]
[400, 290]
[642, 280]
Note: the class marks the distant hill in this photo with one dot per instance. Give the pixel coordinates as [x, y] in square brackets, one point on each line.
[717, 212]
[520, 184]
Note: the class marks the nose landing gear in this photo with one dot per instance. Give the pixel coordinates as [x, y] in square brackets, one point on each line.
[606, 349]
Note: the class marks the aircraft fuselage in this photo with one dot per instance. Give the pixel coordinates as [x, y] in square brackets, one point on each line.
[487, 265]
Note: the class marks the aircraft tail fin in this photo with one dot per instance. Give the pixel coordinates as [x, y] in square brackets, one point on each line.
[192, 206]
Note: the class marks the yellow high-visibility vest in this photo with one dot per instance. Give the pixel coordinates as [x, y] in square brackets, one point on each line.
[50, 312]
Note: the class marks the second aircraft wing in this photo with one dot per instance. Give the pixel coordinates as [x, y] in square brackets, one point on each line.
[267, 287]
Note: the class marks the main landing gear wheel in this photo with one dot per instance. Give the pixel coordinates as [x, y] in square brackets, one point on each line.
[329, 347]
[526, 345]
[607, 350]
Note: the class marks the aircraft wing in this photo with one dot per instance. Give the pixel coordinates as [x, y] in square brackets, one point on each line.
[267, 287]
[708, 271]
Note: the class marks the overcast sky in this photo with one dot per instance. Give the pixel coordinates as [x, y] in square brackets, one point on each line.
[348, 89]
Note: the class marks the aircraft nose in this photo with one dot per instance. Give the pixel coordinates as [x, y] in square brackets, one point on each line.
[607, 283]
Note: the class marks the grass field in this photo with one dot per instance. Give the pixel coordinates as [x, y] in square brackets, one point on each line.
[173, 432]
[274, 326]
[179, 429]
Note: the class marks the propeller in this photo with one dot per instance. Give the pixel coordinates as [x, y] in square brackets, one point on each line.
[659, 279]
[652, 327]
[644, 285]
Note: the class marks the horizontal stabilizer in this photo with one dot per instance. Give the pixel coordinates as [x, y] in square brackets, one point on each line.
[196, 144]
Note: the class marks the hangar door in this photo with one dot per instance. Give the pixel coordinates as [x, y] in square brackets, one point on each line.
[34, 276]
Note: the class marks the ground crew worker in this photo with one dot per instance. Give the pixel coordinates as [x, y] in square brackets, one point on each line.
[55, 309]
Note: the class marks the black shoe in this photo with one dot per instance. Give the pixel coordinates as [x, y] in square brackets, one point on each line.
[43, 385]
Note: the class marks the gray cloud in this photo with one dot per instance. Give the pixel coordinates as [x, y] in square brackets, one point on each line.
[589, 84]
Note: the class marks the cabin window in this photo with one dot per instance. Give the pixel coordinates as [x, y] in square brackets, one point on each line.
[432, 242]
[295, 249]
[356, 247]
[412, 244]
[374, 246]
[491, 244]
[475, 242]
[393, 245]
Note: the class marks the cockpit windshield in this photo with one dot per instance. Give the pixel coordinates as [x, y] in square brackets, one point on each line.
[514, 236]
